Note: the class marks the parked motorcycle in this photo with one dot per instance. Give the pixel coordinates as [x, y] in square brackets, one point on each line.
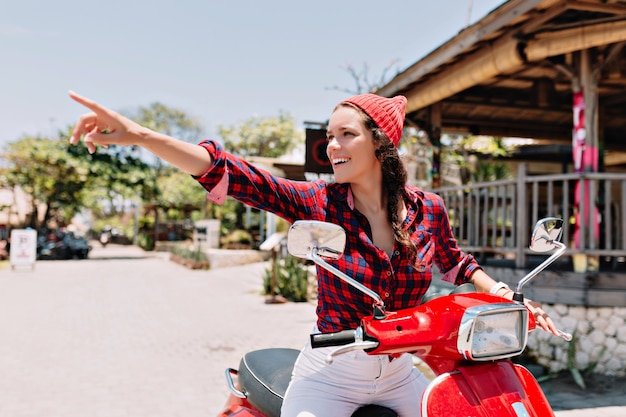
[105, 236]
[466, 338]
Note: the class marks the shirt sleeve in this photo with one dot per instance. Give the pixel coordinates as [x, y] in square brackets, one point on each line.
[215, 180]
[235, 177]
[456, 266]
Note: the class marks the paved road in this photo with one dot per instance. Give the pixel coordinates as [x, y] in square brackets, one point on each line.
[128, 335]
[125, 334]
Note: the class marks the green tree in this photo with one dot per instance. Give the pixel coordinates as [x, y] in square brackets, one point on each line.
[268, 137]
[180, 192]
[479, 156]
[66, 178]
[45, 169]
[168, 120]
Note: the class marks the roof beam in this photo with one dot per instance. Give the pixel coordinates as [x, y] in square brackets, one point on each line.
[596, 7]
[564, 41]
[554, 113]
[504, 56]
[614, 158]
[540, 18]
[613, 100]
[505, 128]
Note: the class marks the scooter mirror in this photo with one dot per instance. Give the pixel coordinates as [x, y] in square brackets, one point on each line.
[328, 239]
[546, 232]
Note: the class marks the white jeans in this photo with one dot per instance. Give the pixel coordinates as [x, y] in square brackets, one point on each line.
[352, 380]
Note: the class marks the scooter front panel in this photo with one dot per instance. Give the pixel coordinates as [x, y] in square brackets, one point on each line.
[485, 390]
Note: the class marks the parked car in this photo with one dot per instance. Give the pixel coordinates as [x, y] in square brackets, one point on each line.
[61, 246]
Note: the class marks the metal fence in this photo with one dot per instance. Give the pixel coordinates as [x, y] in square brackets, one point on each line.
[495, 218]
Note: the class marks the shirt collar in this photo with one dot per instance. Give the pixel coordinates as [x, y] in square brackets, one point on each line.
[350, 198]
[343, 192]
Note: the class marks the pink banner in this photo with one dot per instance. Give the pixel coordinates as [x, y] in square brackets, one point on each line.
[585, 160]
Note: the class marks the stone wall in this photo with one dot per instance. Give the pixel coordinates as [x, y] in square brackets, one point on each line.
[599, 340]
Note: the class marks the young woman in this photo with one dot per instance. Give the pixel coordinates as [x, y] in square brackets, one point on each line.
[395, 233]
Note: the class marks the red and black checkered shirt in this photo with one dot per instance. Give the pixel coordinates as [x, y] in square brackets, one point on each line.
[400, 282]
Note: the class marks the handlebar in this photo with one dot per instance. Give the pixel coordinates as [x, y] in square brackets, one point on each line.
[349, 340]
[340, 338]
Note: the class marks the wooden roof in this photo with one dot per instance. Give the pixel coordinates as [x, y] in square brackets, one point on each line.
[513, 72]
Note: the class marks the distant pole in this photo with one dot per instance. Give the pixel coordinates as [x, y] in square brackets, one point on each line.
[469, 13]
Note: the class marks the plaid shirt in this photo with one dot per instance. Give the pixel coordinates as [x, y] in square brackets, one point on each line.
[399, 282]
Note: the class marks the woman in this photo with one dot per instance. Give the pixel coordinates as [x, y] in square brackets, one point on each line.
[395, 233]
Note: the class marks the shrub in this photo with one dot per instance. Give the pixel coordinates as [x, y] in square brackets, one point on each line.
[190, 256]
[237, 237]
[292, 279]
[193, 253]
[145, 241]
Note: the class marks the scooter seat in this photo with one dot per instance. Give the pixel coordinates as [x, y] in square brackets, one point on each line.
[264, 376]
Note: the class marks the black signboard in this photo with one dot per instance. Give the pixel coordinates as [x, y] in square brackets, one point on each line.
[316, 160]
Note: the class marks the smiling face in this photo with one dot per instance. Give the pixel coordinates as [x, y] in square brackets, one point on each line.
[351, 148]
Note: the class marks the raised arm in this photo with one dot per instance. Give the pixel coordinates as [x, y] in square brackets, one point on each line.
[105, 127]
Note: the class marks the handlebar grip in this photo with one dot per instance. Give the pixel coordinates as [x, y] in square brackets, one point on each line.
[343, 337]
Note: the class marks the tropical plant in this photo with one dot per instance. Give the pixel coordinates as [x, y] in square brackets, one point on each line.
[290, 279]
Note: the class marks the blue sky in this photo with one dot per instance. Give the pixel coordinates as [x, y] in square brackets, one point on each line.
[219, 61]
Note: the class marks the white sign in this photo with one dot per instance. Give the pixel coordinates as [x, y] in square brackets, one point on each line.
[272, 242]
[23, 250]
[206, 233]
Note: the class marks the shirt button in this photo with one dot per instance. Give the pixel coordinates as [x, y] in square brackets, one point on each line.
[388, 273]
[386, 295]
[397, 253]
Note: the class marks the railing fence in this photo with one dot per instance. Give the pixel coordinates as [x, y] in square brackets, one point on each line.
[495, 218]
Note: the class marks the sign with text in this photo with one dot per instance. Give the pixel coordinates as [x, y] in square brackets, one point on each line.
[23, 250]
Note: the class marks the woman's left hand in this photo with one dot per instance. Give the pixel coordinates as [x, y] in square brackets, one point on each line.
[485, 283]
[541, 317]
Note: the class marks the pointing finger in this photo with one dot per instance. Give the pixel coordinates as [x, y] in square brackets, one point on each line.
[90, 104]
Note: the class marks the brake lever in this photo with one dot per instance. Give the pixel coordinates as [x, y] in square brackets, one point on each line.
[566, 336]
[361, 345]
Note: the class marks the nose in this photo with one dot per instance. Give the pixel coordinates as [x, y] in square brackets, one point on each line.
[331, 145]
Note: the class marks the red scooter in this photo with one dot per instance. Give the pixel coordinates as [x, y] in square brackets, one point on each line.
[466, 338]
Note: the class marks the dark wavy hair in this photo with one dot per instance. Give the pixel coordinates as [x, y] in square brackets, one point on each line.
[394, 179]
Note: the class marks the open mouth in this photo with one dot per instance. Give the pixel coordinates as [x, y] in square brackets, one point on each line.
[340, 161]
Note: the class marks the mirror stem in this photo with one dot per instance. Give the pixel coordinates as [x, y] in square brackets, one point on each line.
[541, 267]
[379, 305]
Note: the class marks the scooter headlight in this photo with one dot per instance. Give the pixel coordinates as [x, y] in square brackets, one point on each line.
[493, 331]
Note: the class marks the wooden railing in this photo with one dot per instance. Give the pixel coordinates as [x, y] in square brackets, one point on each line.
[496, 218]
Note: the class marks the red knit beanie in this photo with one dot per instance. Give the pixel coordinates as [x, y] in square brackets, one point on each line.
[388, 113]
